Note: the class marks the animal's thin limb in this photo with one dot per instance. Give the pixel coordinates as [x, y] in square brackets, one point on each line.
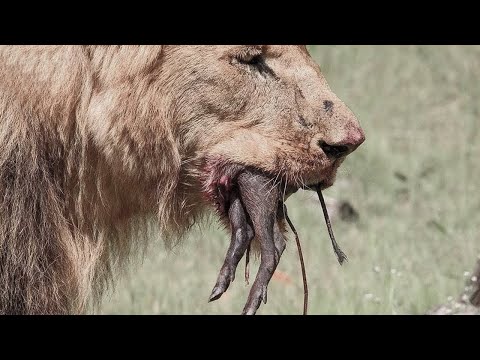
[302, 264]
[262, 209]
[247, 265]
[340, 254]
[242, 235]
[272, 245]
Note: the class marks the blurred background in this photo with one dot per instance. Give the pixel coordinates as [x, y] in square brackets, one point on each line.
[413, 183]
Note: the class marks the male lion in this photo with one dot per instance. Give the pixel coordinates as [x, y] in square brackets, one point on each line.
[95, 140]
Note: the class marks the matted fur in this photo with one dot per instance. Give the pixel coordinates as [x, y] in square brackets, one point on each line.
[97, 141]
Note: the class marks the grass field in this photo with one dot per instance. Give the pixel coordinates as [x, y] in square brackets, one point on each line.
[414, 182]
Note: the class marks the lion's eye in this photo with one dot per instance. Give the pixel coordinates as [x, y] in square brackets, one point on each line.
[253, 60]
[257, 62]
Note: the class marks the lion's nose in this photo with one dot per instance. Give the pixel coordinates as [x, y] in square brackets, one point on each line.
[352, 141]
[334, 151]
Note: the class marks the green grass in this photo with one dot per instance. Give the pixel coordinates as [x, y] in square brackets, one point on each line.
[419, 106]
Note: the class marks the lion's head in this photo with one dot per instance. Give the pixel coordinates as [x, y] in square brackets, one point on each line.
[203, 109]
[260, 106]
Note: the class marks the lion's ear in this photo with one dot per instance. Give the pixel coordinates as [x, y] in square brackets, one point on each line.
[117, 63]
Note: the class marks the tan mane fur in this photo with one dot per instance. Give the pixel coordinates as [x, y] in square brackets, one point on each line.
[65, 226]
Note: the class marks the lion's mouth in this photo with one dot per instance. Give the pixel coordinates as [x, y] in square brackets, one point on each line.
[221, 185]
